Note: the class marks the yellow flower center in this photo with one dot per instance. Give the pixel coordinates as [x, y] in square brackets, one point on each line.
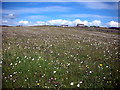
[101, 65]
[38, 83]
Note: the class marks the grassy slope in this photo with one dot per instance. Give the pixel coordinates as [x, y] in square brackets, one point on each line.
[54, 57]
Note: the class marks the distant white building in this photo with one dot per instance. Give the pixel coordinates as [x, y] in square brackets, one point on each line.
[64, 25]
[80, 25]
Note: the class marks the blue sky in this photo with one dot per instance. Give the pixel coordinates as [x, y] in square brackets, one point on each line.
[56, 13]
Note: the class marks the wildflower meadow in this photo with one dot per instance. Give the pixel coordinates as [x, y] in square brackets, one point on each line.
[59, 57]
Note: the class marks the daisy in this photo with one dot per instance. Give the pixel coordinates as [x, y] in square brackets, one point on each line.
[71, 83]
[78, 85]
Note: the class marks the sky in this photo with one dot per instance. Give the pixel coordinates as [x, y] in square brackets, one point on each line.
[59, 13]
[60, 0]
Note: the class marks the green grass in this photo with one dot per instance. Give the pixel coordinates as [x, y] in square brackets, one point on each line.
[55, 57]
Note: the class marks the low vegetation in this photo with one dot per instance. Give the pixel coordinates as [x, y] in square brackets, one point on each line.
[57, 57]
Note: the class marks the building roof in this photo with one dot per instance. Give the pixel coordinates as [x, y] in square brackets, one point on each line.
[80, 24]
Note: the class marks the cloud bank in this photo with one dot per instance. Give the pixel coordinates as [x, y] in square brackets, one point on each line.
[66, 22]
[113, 24]
[78, 21]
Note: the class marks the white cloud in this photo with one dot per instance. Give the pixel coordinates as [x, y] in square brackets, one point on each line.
[61, 22]
[23, 22]
[9, 16]
[85, 22]
[8, 22]
[75, 22]
[40, 23]
[112, 24]
[70, 23]
[4, 21]
[95, 23]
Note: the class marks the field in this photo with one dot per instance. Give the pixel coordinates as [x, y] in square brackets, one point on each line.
[59, 57]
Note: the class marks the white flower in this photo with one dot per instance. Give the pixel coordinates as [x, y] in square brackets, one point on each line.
[71, 55]
[15, 63]
[39, 57]
[33, 59]
[14, 72]
[25, 56]
[66, 71]
[51, 45]
[10, 75]
[11, 64]
[78, 85]
[17, 57]
[81, 62]
[13, 80]
[51, 51]
[8, 47]
[106, 66]
[81, 82]
[19, 62]
[71, 83]
[68, 64]
[54, 71]
[0, 62]
[90, 71]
